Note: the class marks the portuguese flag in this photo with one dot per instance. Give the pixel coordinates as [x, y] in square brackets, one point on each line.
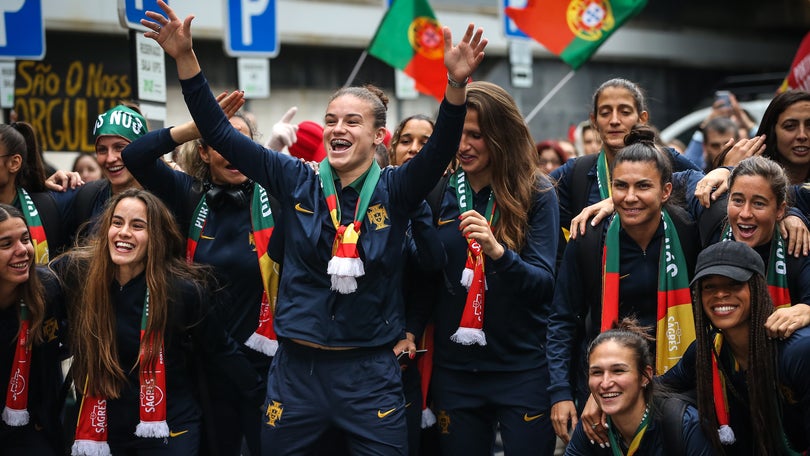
[410, 38]
[573, 29]
[798, 76]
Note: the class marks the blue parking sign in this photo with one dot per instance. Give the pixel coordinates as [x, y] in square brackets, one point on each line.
[250, 28]
[22, 29]
[130, 12]
[510, 29]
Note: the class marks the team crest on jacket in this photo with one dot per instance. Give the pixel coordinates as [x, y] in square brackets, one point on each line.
[274, 412]
[590, 19]
[443, 420]
[378, 216]
[426, 37]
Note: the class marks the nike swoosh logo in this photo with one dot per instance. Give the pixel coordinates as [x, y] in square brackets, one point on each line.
[300, 208]
[408, 405]
[202, 236]
[177, 434]
[528, 418]
[381, 414]
[624, 276]
[441, 222]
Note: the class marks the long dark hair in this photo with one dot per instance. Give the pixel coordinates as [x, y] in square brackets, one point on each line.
[514, 162]
[93, 323]
[770, 118]
[20, 139]
[761, 375]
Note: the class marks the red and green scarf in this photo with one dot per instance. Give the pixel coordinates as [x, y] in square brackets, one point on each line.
[725, 432]
[34, 222]
[425, 367]
[264, 338]
[776, 272]
[675, 328]
[15, 413]
[603, 175]
[614, 437]
[91, 429]
[471, 328]
[346, 265]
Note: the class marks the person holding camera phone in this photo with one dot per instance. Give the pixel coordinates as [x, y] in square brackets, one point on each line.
[714, 137]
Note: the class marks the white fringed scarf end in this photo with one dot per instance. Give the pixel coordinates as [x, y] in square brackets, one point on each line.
[262, 344]
[469, 336]
[153, 429]
[727, 436]
[428, 418]
[344, 272]
[15, 417]
[90, 448]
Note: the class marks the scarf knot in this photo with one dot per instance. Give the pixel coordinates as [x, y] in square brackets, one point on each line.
[346, 266]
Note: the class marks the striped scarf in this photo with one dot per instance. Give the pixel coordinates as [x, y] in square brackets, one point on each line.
[603, 175]
[346, 265]
[675, 327]
[34, 222]
[91, 429]
[471, 328]
[776, 270]
[264, 338]
[614, 437]
[15, 413]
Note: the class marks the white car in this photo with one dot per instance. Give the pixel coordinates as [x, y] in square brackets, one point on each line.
[684, 127]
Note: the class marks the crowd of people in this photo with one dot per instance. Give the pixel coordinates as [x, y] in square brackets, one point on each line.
[299, 297]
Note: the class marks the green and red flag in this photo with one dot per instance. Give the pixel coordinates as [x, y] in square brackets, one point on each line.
[410, 38]
[573, 29]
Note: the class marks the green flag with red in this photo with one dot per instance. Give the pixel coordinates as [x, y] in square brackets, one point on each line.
[573, 29]
[410, 38]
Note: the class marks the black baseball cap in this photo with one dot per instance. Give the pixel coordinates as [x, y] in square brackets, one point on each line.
[732, 259]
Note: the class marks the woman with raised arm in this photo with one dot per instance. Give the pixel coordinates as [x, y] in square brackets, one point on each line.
[225, 217]
[497, 222]
[339, 310]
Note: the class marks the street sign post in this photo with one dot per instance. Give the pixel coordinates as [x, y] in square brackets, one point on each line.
[250, 28]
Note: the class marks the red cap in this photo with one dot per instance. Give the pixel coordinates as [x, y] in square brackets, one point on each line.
[309, 145]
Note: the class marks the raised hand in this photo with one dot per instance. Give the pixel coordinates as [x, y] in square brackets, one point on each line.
[174, 36]
[462, 59]
[284, 132]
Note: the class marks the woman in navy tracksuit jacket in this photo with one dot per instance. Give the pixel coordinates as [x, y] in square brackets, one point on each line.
[335, 366]
[226, 243]
[500, 198]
